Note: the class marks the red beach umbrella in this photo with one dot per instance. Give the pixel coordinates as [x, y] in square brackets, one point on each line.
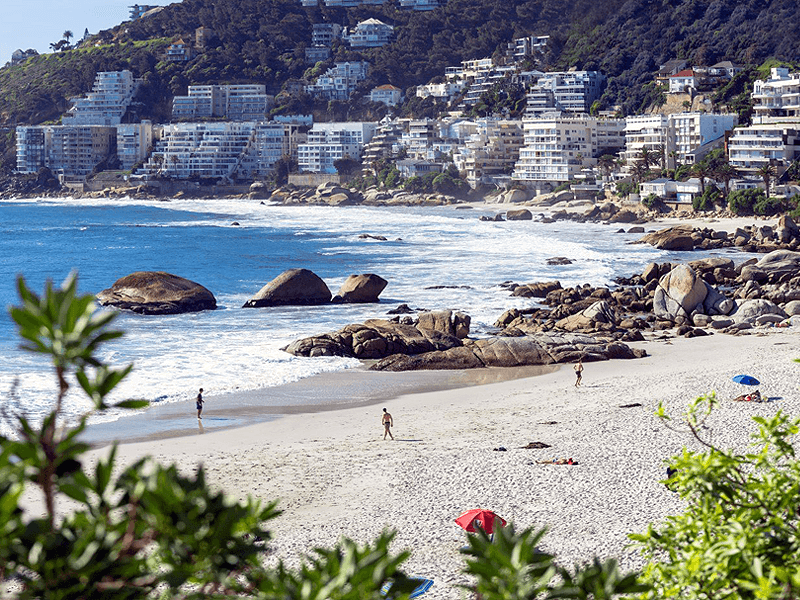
[479, 517]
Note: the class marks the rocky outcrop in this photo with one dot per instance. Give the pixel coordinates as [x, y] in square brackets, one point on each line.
[157, 293]
[598, 312]
[541, 349]
[445, 321]
[784, 235]
[522, 214]
[295, 287]
[536, 290]
[672, 238]
[360, 289]
[678, 294]
[780, 266]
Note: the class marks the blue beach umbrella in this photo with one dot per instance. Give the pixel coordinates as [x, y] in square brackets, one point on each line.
[746, 380]
[423, 586]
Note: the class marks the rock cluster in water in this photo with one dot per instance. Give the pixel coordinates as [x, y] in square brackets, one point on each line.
[157, 293]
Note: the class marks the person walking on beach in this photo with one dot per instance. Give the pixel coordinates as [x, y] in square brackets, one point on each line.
[387, 421]
[199, 403]
[579, 372]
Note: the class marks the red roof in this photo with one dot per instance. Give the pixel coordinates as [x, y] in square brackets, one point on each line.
[684, 73]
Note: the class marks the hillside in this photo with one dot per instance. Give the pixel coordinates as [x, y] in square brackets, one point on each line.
[264, 41]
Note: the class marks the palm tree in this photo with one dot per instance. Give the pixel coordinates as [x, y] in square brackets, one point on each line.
[660, 150]
[67, 35]
[647, 157]
[767, 172]
[726, 171]
[702, 171]
[606, 162]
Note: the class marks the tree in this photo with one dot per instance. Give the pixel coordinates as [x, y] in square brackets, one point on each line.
[149, 531]
[67, 35]
[347, 166]
[702, 171]
[740, 534]
[726, 171]
[766, 172]
[647, 157]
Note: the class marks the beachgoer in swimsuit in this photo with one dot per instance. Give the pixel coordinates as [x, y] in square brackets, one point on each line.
[387, 421]
[199, 403]
[579, 371]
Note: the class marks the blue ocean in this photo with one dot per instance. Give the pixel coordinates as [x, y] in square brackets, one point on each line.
[433, 258]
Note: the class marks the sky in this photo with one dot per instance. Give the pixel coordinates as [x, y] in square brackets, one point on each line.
[38, 23]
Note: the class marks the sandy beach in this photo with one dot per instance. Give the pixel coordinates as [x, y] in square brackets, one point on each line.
[335, 476]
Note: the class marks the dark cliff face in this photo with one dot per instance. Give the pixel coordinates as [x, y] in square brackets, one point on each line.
[264, 42]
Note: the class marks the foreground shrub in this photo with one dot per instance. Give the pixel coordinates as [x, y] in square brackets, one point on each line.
[742, 202]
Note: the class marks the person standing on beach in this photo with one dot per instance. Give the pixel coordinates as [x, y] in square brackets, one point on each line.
[579, 372]
[387, 421]
[199, 403]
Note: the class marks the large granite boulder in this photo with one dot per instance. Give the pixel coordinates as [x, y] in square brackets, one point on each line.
[716, 303]
[536, 290]
[780, 265]
[361, 289]
[671, 238]
[599, 312]
[157, 293]
[786, 229]
[678, 294]
[446, 321]
[512, 196]
[295, 287]
[537, 349]
[374, 339]
[521, 214]
[749, 311]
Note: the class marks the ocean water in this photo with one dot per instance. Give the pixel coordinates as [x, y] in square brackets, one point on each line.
[434, 258]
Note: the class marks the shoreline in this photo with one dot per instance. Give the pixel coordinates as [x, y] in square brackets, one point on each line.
[335, 476]
[351, 388]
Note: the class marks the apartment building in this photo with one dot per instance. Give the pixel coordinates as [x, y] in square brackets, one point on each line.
[324, 34]
[32, 144]
[383, 144]
[76, 150]
[490, 154]
[370, 33]
[440, 90]
[778, 96]
[134, 143]
[566, 91]
[557, 148]
[329, 142]
[271, 142]
[690, 135]
[212, 150]
[386, 94]
[240, 102]
[340, 81]
[420, 4]
[680, 138]
[760, 144]
[419, 137]
[645, 132]
[108, 101]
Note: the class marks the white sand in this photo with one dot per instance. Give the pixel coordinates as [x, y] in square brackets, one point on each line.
[335, 476]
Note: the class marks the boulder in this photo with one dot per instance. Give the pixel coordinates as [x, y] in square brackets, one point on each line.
[672, 238]
[710, 264]
[598, 312]
[360, 289]
[512, 196]
[678, 294]
[295, 287]
[716, 303]
[536, 290]
[748, 311]
[157, 293]
[624, 216]
[445, 321]
[538, 349]
[522, 214]
[780, 265]
[792, 308]
[786, 230]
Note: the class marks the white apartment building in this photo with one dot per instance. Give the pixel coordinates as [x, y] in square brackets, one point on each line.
[386, 94]
[778, 96]
[491, 152]
[689, 132]
[682, 137]
[271, 141]
[134, 143]
[645, 131]
[370, 33]
[469, 69]
[329, 142]
[566, 91]
[241, 102]
[419, 137]
[340, 81]
[557, 148]
[420, 4]
[440, 90]
[106, 103]
[750, 148]
[210, 150]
